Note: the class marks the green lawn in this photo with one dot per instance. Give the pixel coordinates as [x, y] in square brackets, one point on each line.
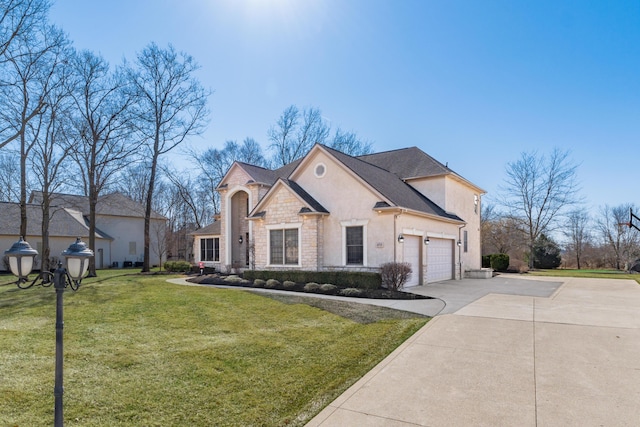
[594, 274]
[140, 351]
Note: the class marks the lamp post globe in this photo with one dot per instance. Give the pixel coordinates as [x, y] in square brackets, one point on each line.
[77, 256]
[21, 256]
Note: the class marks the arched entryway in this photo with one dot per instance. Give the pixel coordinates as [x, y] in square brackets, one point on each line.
[238, 238]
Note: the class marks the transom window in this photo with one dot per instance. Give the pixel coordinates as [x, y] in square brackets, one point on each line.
[355, 245]
[283, 246]
[210, 249]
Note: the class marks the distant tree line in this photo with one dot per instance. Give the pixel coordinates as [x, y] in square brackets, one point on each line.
[69, 122]
[539, 220]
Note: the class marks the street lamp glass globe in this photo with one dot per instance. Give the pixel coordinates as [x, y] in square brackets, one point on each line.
[77, 256]
[21, 257]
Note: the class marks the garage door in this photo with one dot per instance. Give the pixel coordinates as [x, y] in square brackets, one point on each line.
[411, 248]
[439, 260]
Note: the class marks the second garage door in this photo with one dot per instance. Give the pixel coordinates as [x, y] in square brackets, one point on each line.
[439, 260]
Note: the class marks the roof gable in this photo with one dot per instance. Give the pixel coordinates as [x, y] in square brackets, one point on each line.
[310, 205]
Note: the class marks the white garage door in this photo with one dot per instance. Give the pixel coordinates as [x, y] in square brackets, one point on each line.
[439, 260]
[411, 248]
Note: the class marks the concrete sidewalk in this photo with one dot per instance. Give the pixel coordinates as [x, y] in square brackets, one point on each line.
[570, 359]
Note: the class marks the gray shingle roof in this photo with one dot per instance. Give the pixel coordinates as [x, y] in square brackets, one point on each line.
[309, 200]
[406, 163]
[391, 186]
[64, 222]
[212, 229]
[268, 176]
[114, 204]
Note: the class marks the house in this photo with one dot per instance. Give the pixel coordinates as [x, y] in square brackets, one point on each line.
[119, 235]
[332, 211]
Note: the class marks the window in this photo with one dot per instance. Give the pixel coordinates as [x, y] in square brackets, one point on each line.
[476, 202]
[355, 245]
[320, 170]
[210, 249]
[465, 240]
[132, 248]
[283, 246]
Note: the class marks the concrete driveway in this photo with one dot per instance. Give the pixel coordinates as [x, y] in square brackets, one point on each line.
[571, 358]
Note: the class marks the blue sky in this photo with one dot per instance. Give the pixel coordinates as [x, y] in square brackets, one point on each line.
[472, 83]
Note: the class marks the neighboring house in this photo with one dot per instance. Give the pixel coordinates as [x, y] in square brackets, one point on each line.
[119, 228]
[65, 226]
[332, 211]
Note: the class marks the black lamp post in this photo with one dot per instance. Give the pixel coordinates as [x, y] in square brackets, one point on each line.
[77, 256]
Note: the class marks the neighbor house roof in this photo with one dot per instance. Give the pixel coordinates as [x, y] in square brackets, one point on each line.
[64, 222]
[114, 204]
[212, 229]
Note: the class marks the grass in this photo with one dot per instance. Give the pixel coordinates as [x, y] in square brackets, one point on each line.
[141, 351]
[593, 274]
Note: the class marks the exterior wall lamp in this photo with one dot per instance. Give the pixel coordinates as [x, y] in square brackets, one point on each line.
[459, 243]
[426, 240]
[400, 238]
[21, 256]
[240, 240]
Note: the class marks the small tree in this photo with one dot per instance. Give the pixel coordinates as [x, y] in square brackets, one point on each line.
[546, 253]
[395, 274]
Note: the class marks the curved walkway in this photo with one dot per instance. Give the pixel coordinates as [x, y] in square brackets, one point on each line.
[567, 357]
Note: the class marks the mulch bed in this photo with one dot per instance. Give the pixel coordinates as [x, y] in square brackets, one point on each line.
[222, 280]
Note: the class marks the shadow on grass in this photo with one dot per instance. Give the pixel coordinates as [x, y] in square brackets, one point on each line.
[355, 311]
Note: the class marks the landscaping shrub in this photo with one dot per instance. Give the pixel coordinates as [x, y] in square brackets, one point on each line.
[311, 287]
[499, 262]
[395, 274]
[259, 283]
[288, 284]
[234, 279]
[272, 284]
[328, 289]
[350, 292]
[486, 261]
[351, 279]
[177, 266]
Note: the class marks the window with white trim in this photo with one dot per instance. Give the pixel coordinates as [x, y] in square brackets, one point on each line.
[283, 246]
[354, 241]
[210, 249]
[355, 245]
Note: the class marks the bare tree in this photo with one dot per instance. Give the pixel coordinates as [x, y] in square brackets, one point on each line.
[251, 152]
[295, 133]
[49, 160]
[537, 191]
[171, 107]
[29, 74]
[9, 177]
[615, 233]
[349, 143]
[102, 127]
[17, 18]
[577, 231]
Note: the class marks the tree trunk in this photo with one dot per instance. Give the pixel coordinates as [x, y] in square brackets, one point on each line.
[93, 202]
[147, 214]
[46, 250]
